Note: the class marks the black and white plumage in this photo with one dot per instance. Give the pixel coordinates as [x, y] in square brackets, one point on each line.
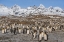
[3, 30]
[28, 31]
[19, 30]
[40, 37]
[14, 31]
[34, 35]
[42, 33]
[45, 37]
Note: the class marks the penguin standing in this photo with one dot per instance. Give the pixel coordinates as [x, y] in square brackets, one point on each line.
[14, 31]
[38, 34]
[45, 37]
[23, 30]
[28, 31]
[34, 32]
[19, 30]
[42, 33]
[34, 35]
[40, 37]
[3, 31]
[11, 30]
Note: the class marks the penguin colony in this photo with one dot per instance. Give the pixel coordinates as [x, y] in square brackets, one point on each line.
[37, 31]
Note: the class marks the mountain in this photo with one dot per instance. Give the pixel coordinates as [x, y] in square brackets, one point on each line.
[5, 10]
[32, 10]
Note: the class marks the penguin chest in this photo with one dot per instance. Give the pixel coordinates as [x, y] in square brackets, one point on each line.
[45, 37]
[42, 34]
[27, 31]
[40, 37]
[34, 35]
[19, 30]
[3, 30]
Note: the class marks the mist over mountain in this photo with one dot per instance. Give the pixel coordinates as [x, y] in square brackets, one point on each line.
[33, 10]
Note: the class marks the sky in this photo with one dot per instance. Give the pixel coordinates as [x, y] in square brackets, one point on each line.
[26, 3]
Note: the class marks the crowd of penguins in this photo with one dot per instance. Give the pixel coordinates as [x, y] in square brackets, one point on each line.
[35, 31]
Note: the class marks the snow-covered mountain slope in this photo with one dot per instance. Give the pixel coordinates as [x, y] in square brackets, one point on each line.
[33, 10]
[5, 10]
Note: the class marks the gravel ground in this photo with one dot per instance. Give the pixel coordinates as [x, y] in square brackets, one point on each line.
[56, 36]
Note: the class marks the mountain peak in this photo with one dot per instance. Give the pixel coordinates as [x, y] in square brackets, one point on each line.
[16, 6]
[41, 6]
